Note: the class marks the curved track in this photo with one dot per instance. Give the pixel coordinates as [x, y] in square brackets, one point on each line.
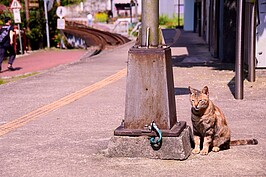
[95, 37]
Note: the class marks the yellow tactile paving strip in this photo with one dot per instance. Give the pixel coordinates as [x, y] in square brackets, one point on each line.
[19, 122]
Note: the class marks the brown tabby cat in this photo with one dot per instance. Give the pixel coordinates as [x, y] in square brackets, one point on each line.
[209, 124]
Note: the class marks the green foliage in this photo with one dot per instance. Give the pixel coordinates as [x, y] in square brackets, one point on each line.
[36, 33]
[101, 17]
[5, 14]
[69, 2]
[167, 22]
[53, 26]
[6, 2]
[37, 25]
[57, 39]
[163, 19]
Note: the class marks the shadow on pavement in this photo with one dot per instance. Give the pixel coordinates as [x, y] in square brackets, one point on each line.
[181, 91]
[15, 69]
[190, 50]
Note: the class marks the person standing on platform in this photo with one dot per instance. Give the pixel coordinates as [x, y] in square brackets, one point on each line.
[7, 44]
[90, 18]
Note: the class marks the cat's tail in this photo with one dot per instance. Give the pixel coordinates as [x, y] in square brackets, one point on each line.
[243, 142]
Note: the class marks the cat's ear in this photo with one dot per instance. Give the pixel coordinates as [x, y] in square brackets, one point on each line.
[205, 90]
[191, 90]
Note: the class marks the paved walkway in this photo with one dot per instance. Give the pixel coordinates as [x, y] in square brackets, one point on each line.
[41, 60]
[58, 123]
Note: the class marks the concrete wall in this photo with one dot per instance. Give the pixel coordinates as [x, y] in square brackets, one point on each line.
[167, 7]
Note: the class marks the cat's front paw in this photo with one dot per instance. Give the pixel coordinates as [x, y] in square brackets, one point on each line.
[215, 149]
[196, 151]
[204, 152]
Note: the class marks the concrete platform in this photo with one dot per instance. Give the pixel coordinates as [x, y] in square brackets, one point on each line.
[71, 141]
[171, 148]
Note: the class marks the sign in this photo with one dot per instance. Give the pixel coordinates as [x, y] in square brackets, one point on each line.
[15, 5]
[17, 18]
[34, 4]
[61, 11]
[50, 4]
[61, 23]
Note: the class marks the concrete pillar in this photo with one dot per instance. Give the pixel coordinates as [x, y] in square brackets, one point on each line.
[150, 98]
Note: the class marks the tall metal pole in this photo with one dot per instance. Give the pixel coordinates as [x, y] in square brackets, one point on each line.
[239, 59]
[178, 15]
[20, 41]
[150, 23]
[252, 37]
[47, 25]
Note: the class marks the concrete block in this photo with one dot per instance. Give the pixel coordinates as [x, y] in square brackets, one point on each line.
[178, 148]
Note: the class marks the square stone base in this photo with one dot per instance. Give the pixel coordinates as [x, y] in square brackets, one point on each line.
[178, 148]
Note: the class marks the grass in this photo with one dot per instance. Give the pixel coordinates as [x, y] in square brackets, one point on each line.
[16, 78]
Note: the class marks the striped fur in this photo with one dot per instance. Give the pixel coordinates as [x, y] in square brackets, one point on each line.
[210, 127]
[243, 142]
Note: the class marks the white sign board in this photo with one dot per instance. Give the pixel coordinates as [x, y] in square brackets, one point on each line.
[15, 5]
[17, 17]
[61, 11]
[61, 23]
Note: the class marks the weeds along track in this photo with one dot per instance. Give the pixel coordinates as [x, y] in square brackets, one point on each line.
[94, 37]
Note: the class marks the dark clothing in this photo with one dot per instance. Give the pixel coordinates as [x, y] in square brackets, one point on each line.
[12, 54]
[6, 42]
[6, 46]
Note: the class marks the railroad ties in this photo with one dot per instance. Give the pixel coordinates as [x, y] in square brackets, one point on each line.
[94, 37]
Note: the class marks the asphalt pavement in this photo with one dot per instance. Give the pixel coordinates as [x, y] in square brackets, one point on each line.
[58, 122]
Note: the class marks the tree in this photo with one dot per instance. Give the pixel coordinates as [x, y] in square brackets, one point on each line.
[5, 2]
[34, 21]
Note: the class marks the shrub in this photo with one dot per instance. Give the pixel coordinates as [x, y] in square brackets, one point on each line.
[101, 17]
[167, 22]
[163, 19]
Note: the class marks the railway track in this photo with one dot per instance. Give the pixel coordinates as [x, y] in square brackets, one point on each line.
[94, 37]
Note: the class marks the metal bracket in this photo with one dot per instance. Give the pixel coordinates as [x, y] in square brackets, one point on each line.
[175, 131]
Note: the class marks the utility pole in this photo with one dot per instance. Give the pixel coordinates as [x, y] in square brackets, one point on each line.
[27, 19]
[150, 23]
[27, 13]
